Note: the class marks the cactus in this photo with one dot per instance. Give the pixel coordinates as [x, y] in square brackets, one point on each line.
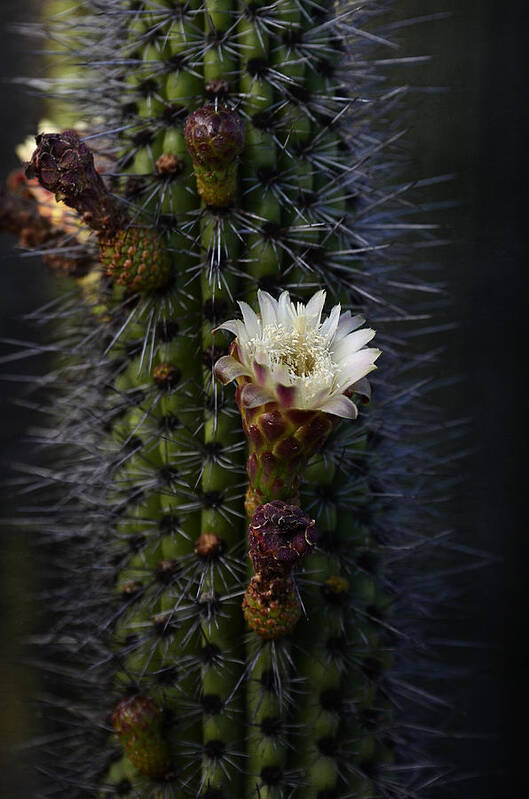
[244, 143]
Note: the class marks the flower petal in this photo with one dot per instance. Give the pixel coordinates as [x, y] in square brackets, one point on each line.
[348, 323]
[329, 327]
[352, 343]
[358, 365]
[268, 307]
[315, 305]
[233, 325]
[340, 405]
[286, 395]
[250, 319]
[228, 368]
[363, 388]
[252, 396]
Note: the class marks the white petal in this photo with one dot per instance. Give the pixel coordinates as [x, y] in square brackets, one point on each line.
[285, 310]
[357, 366]
[340, 405]
[329, 327]
[351, 343]
[252, 396]
[268, 307]
[232, 325]
[228, 368]
[348, 323]
[315, 306]
[250, 318]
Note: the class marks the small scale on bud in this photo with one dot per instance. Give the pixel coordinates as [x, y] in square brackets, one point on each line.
[214, 139]
[138, 724]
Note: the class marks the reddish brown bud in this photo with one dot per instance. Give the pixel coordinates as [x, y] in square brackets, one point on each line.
[280, 535]
[64, 165]
[214, 138]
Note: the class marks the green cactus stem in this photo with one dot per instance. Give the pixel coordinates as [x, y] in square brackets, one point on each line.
[240, 157]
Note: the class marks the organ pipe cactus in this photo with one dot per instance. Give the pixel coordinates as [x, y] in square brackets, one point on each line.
[243, 147]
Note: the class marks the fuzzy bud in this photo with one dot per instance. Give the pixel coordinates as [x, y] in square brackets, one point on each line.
[214, 139]
[138, 724]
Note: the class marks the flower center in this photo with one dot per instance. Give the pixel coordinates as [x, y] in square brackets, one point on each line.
[303, 351]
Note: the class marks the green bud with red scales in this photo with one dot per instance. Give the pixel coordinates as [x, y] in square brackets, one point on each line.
[138, 723]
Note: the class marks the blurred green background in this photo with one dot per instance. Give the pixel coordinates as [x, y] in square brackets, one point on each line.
[474, 125]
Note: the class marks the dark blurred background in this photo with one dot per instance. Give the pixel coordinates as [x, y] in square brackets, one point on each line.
[476, 126]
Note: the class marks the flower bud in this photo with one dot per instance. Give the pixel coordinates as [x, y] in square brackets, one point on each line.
[138, 724]
[214, 139]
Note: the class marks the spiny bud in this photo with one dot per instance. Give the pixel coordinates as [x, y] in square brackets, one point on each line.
[214, 139]
[135, 258]
[272, 613]
[138, 724]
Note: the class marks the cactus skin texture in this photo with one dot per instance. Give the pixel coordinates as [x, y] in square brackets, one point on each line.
[250, 147]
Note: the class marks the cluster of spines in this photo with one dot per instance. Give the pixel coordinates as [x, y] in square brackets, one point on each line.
[171, 440]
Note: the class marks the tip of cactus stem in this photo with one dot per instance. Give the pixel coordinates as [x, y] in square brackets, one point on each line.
[138, 724]
[64, 165]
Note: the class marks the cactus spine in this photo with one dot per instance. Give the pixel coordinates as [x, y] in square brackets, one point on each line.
[200, 217]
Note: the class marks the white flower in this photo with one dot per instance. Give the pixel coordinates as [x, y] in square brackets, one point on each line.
[291, 357]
